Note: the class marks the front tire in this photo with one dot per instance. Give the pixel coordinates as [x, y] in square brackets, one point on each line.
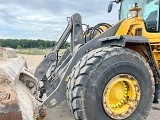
[90, 86]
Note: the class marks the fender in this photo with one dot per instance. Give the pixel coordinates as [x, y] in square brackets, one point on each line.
[123, 41]
[120, 41]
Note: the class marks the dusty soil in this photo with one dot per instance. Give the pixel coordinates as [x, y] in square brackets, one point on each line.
[32, 60]
[62, 112]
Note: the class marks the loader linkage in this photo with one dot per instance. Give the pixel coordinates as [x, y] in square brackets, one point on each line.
[55, 84]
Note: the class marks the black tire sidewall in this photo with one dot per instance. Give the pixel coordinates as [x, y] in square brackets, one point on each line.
[109, 68]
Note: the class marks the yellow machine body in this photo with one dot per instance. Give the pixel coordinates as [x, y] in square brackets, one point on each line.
[129, 26]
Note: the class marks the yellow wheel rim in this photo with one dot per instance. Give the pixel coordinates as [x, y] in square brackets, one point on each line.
[121, 96]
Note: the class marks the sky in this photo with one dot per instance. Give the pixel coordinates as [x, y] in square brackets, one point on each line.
[46, 19]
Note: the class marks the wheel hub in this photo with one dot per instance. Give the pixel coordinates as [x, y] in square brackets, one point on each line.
[118, 94]
[121, 96]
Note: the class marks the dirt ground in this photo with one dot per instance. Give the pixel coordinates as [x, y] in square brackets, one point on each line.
[62, 112]
[32, 60]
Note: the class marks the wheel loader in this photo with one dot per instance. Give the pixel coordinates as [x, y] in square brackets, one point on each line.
[109, 72]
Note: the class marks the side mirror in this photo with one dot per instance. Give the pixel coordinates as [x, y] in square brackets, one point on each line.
[110, 7]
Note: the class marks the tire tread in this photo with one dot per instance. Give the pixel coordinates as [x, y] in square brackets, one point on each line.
[85, 66]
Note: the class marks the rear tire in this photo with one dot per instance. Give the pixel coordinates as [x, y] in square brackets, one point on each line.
[92, 73]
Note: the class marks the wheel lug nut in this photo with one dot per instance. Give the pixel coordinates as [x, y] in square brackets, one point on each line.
[119, 104]
[111, 106]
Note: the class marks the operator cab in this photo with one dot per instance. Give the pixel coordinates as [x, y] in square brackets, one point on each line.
[149, 12]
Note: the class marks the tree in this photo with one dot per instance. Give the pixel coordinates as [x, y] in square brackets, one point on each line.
[66, 45]
[19, 47]
[41, 47]
[25, 43]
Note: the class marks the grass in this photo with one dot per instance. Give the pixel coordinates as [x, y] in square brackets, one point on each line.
[35, 51]
[1, 55]
[32, 51]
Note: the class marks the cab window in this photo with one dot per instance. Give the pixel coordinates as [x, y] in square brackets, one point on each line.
[151, 15]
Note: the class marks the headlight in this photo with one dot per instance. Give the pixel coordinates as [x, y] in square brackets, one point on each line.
[132, 14]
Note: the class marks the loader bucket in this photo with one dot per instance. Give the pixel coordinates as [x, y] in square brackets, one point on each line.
[16, 100]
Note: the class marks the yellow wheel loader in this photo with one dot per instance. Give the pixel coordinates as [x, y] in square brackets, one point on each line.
[107, 73]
